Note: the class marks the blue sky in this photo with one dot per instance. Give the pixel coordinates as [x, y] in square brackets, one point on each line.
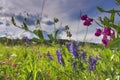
[67, 11]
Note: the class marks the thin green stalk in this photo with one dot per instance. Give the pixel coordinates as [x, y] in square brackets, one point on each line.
[84, 40]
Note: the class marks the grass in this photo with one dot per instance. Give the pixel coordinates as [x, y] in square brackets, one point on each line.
[33, 63]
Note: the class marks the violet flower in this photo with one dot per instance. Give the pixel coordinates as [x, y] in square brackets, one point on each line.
[83, 56]
[60, 58]
[50, 55]
[74, 49]
[92, 63]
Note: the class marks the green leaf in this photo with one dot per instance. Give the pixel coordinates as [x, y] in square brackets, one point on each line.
[100, 9]
[25, 26]
[13, 21]
[118, 2]
[115, 43]
[39, 33]
[56, 20]
[51, 37]
[56, 34]
[112, 17]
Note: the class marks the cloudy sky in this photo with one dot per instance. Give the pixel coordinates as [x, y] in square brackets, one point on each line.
[67, 11]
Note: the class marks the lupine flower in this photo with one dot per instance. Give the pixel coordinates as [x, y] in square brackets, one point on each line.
[84, 17]
[60, 58]
[98, 32]
[50, 55]
[74, 65]
[105, 41]
[83, 56]
[74, 49]
[26, 39]
[68, 47]
[92, 63]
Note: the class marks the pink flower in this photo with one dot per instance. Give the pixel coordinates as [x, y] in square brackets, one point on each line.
[7, 77]
[107, 31]
[112, 34]
[84, 17]
[98, 32]
[14, 65]
[105, 40]
[90, 19]
[4, 63]
[87, 20]
[87, 23]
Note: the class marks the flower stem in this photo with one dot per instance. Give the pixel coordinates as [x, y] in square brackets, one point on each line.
[84, 40]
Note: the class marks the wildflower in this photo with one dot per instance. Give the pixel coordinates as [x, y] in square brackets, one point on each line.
[10, 59]
[87, 20]
[60, 58]
[92, 63]
[14, 65]
[68, 47]
[107, 31]
[87, 23]
[26, 39]
[3, 63]
[98, 32]
[74, 49]
[7, 77]
[84, 17]
[74, 65]
[50, 55]
[83, 56]
[105, 41]
[108, 35]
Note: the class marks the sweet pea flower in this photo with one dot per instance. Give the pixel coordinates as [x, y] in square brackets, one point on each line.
[105, 41]
[98, 32]
[87, 20]
[84, 17]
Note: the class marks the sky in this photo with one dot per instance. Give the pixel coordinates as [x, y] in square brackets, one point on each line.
[67, 11]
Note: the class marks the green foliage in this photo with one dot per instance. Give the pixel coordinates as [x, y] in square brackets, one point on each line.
[115, 43]
[118, 2]
[39, 33]
[24, 26]
[13, 21]
[56, 20]
[34, 64]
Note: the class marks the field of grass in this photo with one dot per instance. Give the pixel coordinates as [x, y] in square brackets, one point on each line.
[40, 62]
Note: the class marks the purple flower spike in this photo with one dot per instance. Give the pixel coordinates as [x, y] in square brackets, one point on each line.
[74, 49]
[74, 65]
[83, 56]
[68, 47]
[92, 63]
[50, 55]
[25, 38]
[60, 58]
